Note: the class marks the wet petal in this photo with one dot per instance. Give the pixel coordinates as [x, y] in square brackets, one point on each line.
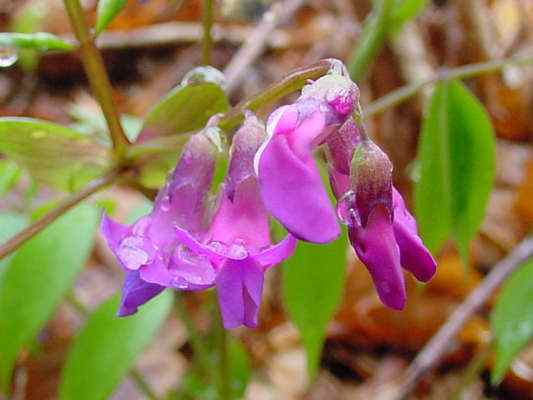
[113, 232]
[415, 257]
[292, 189]
[135, 293]
[376, 247]
[239, 287]
[277, 253]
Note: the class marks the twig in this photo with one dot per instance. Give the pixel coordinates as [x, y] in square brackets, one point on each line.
[97, 75]
[466, 71]
[16, 241]
[437, 346]
[280, 12]
[134, 373]
[207, 22]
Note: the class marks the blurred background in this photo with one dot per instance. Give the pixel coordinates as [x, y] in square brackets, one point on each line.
[148, 49]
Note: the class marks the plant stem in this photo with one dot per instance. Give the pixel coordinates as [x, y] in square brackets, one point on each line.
[66, 204]
[200, 353]
[433, 351]
[224, 388]
[97, 75]
[466, 71]
[372, 38]
[143, 386]
[207, 22]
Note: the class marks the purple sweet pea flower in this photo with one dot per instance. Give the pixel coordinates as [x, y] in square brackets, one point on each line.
[148, 250]
[288, 176]
[381, 229]
[238, 241]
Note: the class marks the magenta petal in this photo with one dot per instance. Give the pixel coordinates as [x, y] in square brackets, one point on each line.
[277, 253]
[376, 247]
[113, 232]
[135, 293]
[415, 257]
[292, 191]
[239, 287]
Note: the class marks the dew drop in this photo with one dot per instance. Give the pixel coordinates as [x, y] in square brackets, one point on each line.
[238, 250]
[8, 57]
[179, 283]
[165, 203]
[345, 209]
[131, 254]
[218, 247]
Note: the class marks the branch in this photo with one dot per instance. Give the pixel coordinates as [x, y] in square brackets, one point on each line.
[207, 23]
[427, 359]
[66, 204]
[466, 71]
[280, 12]
[97, 75]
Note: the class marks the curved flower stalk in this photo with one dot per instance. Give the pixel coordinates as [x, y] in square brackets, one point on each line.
[172, 247]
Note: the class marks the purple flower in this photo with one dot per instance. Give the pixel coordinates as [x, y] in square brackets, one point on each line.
[288, 176]
[174, 247]
[238, 242]
[381, 229]
[148, 250]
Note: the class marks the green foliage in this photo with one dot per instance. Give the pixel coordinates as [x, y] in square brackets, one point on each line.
[10, 224]
[9, 175]
[195, 386]
[40, 41]
[512, 319]
[457, 166]
[312, 287]
[37, 277]
[106, 11]
[185, 109]
[53, 154]
[404, 11]
[107, 346]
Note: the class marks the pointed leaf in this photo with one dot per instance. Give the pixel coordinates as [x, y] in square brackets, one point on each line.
[41, 41]
[107, 346]
[53, 154]
[457, 167]
[312, 287]
[404, 11]
[37, 277]
[512, 319]
[106, 11]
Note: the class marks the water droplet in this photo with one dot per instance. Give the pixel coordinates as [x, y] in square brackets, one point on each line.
[130, 252]
[238, 250]
[218, 247]
[165, 203]
[179, 283]
[345, 209]
[204, 74]
[8, 57]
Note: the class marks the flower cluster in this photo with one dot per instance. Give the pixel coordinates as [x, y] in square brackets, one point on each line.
[188, 242]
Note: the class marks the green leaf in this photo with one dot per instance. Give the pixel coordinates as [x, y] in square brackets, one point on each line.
[36, 279]
[9, 175]
[53, 154]
[457, 167]
[512, 319]
[10, 225]
[185, 109]
[107, 346]
[404, 11]
[106, 11]
[312, 287]
[41, 41]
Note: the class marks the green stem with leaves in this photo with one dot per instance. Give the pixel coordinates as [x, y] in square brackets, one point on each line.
[207, 22]
[375, 30]
[97, 75]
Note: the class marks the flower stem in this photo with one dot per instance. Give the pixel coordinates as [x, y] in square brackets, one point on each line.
[466, 71]
[200, 354]
[207, 22]
[26, 234]
[97, 75]
[223, 387]
[143, 386]
[372, 38]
